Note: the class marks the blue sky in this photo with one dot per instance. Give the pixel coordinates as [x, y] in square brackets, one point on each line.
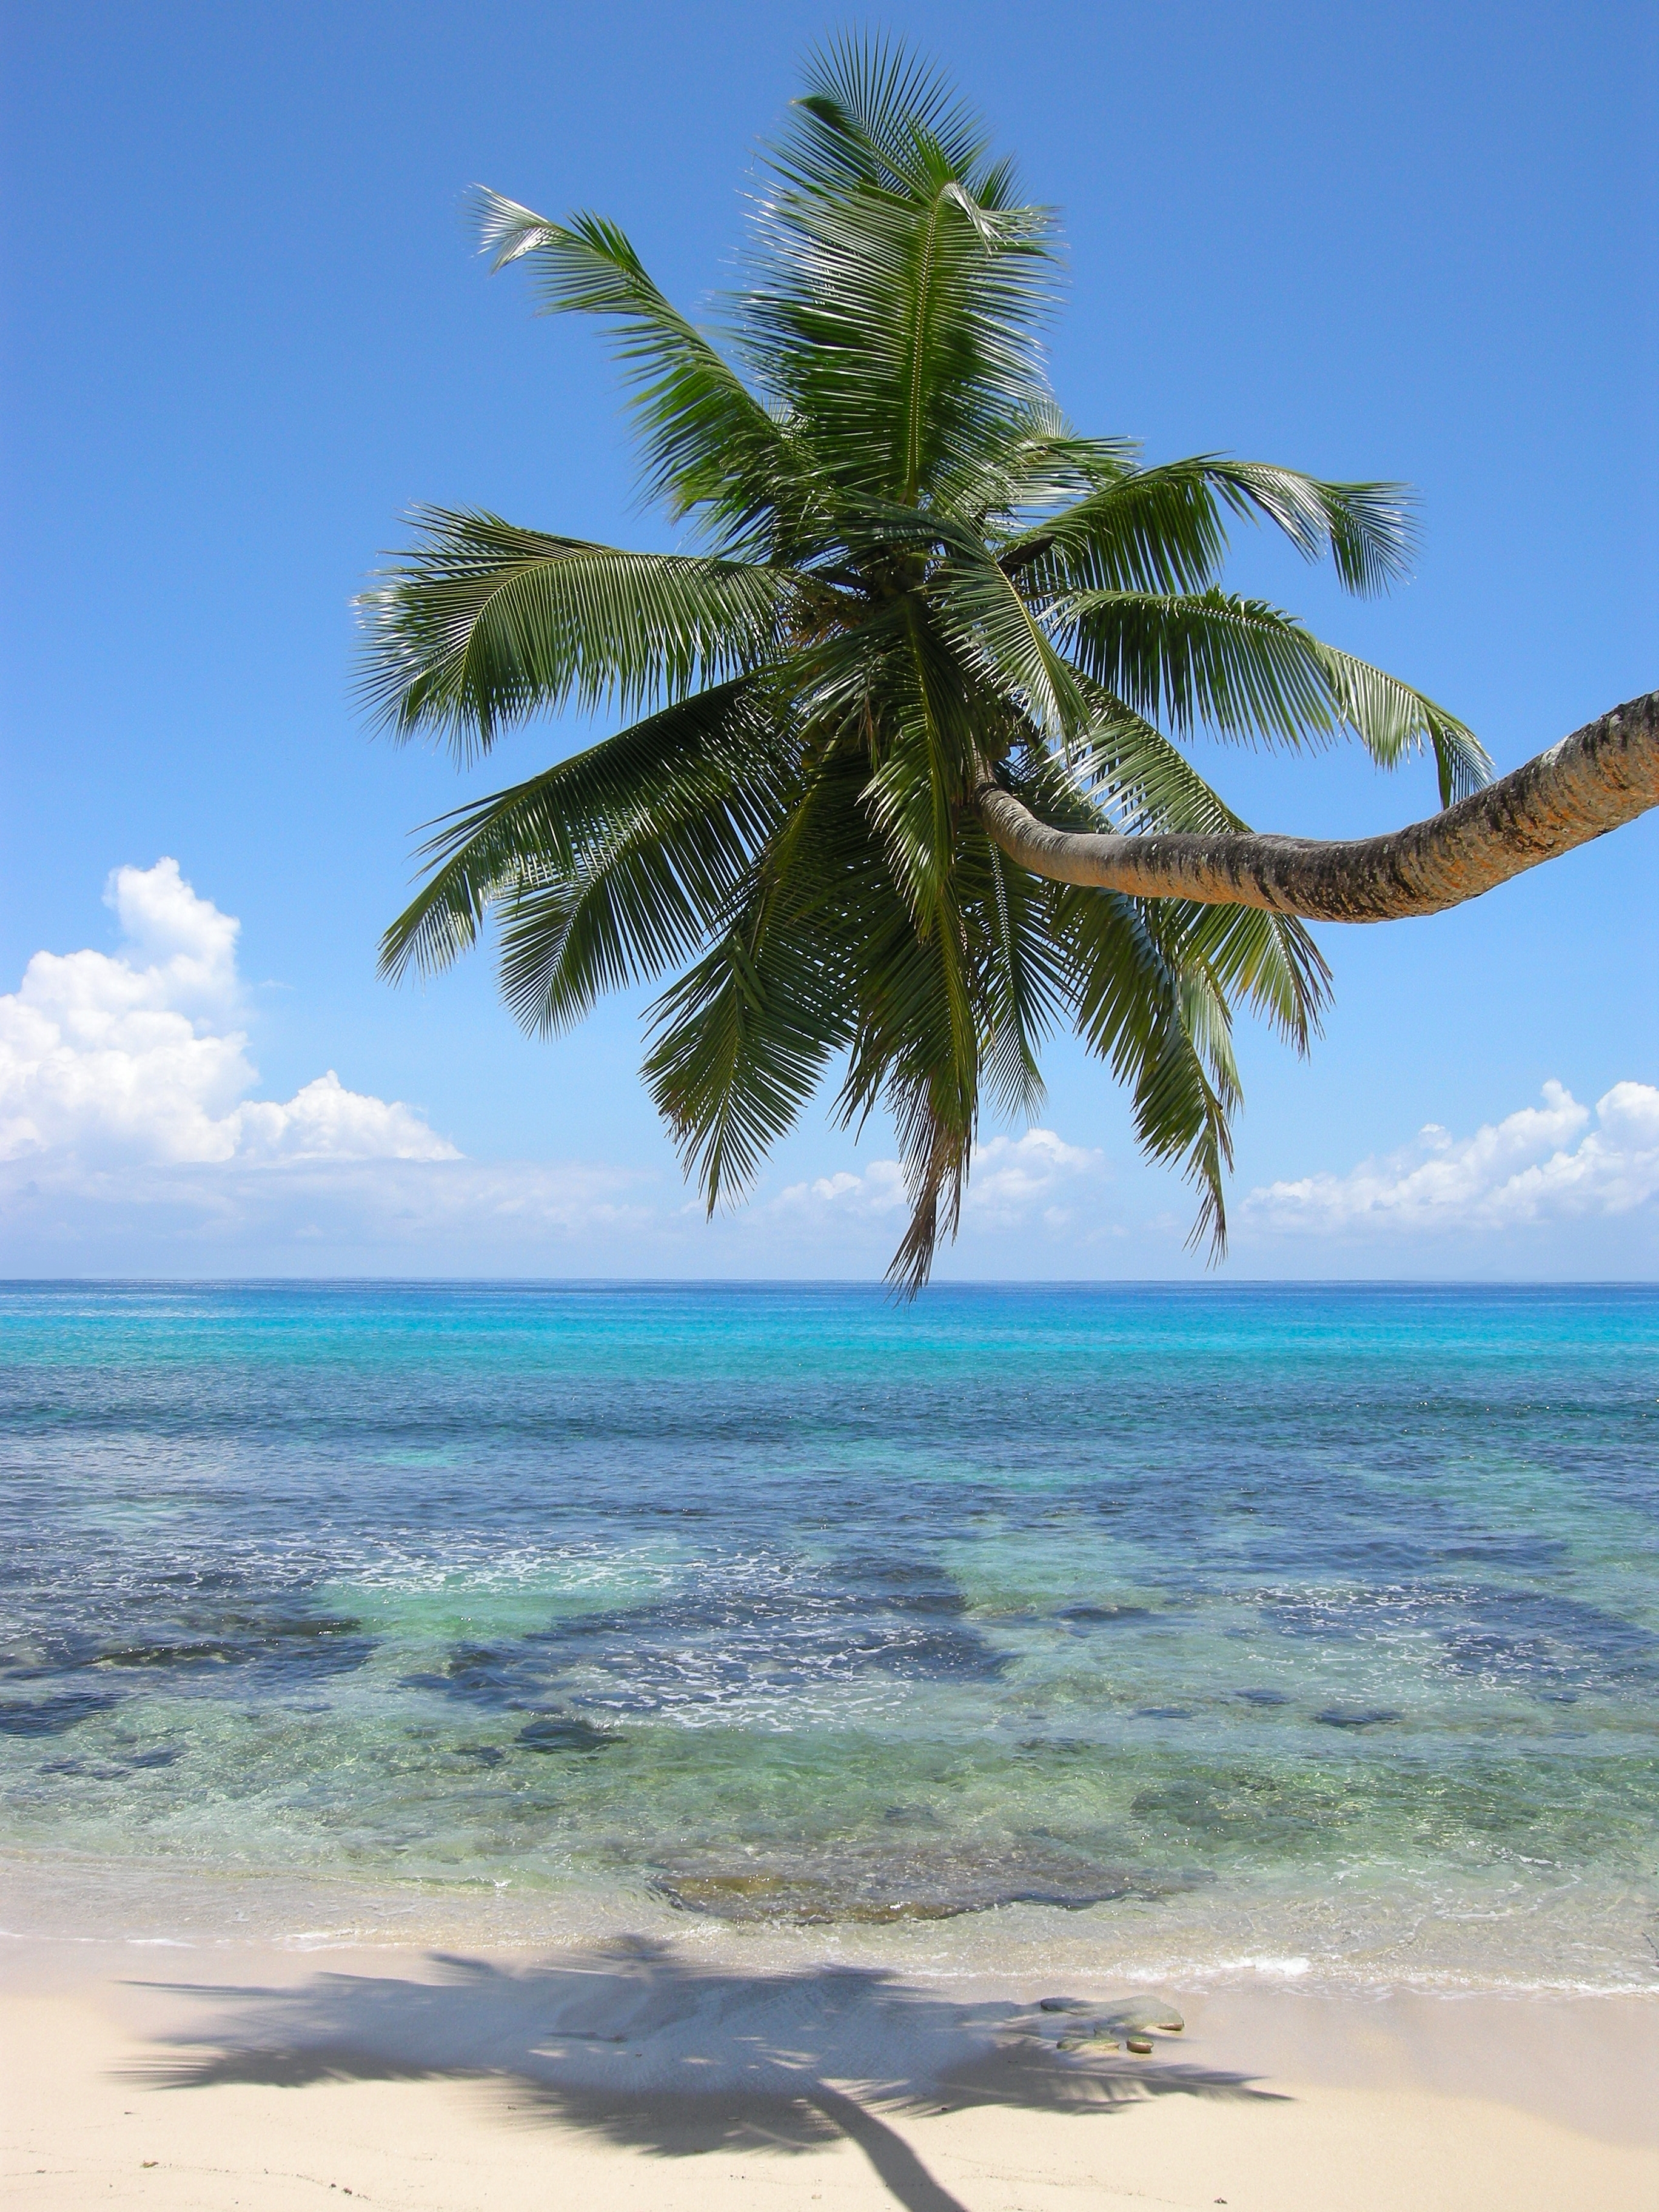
[243, 330]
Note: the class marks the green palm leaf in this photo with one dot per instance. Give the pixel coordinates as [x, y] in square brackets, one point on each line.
[1268, 960]
[995, 631]
[1249, 671]
[1393, 721]
[742, 1040]
[1237, 665]
[901, 286]
[1162, 1026]
[1366, 528]
[701, 775]
[710, 444]
[483, 624]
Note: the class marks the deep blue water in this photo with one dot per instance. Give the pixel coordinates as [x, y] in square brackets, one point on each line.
[1314, 1618]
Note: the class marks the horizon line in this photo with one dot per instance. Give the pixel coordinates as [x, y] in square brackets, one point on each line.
[874, 1283]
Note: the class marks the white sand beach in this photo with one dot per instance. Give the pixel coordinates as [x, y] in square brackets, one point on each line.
[201, 2078]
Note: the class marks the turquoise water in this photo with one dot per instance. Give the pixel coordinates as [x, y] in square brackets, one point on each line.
[1315, 1629]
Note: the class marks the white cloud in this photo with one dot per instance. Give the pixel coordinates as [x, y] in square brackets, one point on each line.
[132, 1141]
[875, 1194]
[128, 1135]
[1541, 1166]
[1014, 1177]
[1013, 1180]
[134, 1057]
[323, 1120]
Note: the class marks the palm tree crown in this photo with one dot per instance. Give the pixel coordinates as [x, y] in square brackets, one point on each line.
[911, 580]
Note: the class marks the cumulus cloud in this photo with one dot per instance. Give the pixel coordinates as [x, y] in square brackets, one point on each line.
[131, 1135]
[1014, 1179]
[872, 1196]
[133, 1139]
[1543, 1164]
[135, 1057]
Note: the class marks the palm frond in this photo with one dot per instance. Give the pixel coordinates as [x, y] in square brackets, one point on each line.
[1000, 638]
[628, 913]
[1022, 979]
[923, 772]
[1163, 529]
[1270, 961]
[1163, 1027]
[742, 1040]
[870, 117]
[1368, 529]
[1133, 530]
[898, 292]
[911, 1056]
[935, 1150]
[1028, 466]
[704, 770]
[1238, 665]
[709, 443]
[1122, 774]
[1246, 670]
[1393, 721]
[482, 625]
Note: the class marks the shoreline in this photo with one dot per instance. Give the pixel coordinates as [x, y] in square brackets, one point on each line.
[655, 2073]
[1322, 1943]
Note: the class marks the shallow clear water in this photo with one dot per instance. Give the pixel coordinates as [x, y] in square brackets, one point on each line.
[1166, 1627]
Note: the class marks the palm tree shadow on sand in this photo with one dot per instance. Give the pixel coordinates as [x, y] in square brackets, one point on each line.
[660, 2054]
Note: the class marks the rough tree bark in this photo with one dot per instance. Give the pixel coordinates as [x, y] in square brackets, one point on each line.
[1604, 774]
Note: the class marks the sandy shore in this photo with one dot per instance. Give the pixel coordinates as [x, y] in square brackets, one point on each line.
[642, 2076]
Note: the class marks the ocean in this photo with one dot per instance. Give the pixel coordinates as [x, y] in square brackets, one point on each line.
[1309, 1631]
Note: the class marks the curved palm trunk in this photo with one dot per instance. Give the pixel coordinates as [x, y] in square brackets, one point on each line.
[1604, 774]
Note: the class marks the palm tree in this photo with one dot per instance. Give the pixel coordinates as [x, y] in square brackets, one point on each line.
[902, 788]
